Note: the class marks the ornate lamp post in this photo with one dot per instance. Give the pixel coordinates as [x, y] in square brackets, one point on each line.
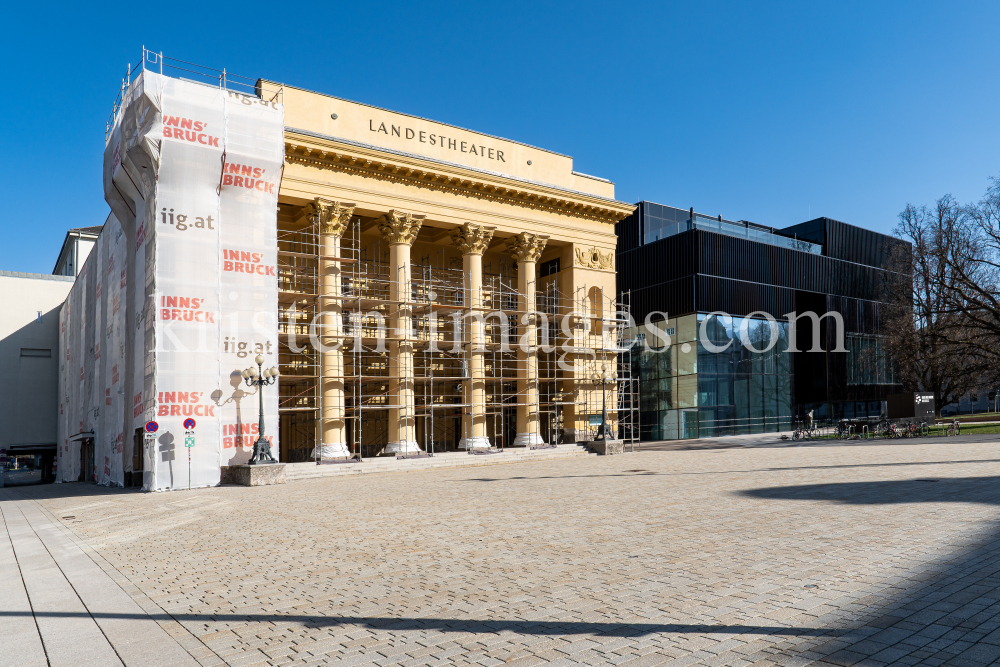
[603, 379]
[260, 378]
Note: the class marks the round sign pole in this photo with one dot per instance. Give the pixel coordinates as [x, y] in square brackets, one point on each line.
[189, 425]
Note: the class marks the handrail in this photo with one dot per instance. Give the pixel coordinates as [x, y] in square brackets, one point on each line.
[156, 61]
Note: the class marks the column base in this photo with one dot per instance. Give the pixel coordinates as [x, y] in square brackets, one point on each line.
[332, 450]
[570, 436]
[607, 447]
[475, 442]
[402, 447]
[528, 440]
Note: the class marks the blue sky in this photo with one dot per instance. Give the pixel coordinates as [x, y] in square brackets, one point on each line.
[770, 112]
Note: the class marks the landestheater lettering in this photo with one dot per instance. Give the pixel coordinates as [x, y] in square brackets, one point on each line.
[437, 140]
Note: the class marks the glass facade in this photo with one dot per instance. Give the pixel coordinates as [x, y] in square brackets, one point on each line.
[868, 361]
[660, 221]
[711, 375]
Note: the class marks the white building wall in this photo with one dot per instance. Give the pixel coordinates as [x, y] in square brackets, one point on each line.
[29, 356]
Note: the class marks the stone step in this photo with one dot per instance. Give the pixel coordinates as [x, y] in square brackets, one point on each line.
[309, 470]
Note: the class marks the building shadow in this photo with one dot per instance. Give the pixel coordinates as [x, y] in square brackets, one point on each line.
[945, 612]
[984, 490]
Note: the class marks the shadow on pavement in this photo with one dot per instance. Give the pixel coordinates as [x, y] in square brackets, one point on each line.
[921, 490]
[946, 613]
[448, 624]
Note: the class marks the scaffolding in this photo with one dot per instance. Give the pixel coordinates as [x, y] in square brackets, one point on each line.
[434, 305]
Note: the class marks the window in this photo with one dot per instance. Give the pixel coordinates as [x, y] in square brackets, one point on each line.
[868, 361]
[549, 268]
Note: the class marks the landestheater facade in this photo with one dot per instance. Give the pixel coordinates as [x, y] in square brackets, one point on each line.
[420, 287]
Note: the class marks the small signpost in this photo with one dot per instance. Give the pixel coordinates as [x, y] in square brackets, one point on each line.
[189, 425]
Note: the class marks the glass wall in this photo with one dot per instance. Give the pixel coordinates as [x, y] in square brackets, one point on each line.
[698, 378]
[744, 376]
[868, 360]
[659, 222]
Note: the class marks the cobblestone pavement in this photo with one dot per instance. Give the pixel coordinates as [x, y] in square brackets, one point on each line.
[867, 555]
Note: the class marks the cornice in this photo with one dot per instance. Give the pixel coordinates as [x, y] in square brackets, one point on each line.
[351, 157]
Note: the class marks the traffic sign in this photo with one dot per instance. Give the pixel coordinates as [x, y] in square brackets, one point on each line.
[151, 427]
[189, 437]
[188, 423]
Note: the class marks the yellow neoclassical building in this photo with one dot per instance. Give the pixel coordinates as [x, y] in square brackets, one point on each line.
[440, 288]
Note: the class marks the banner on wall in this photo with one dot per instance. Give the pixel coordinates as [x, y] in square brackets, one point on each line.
[188, 284]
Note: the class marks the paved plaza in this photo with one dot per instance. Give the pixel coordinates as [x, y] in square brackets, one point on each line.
[825, 555]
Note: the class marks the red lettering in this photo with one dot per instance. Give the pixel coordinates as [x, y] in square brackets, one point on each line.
[256, 172]
[175, 314]
[201, 139]
[190, 136]
[247, 170]
[186, 123]
[210, 410]
[259, 186]
[183, 302]
[246, 257]
[171, 120]
[182, 397]
[169, 397]
[175, 411]
[213, 141]
[227, 266]
[166, 133]
[227, 179]
[187, 410]
[227, 443]
[239, 182]
[163, 410]
[270, 271]
[233, 168]
[171, 302]
[249, 183]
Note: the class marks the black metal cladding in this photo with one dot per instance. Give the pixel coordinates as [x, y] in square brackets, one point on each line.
[769, 274]
[846, 242]
[703, 271]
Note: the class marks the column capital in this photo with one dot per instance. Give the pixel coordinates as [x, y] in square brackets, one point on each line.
[472, 239]
[331, 216]
[400, 228]
[526, 247]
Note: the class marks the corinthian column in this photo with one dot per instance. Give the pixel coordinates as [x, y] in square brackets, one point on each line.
[525, 249]
[332, 218]
[473, 241]
[399, 230]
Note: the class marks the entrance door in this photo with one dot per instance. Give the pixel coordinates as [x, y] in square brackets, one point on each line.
[87, 473]
[138, 459]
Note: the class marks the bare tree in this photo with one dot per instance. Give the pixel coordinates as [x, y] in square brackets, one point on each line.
[974, 261]
[936, 346]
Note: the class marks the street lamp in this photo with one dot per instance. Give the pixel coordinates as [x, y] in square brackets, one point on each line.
[260, 378]
[603, 379]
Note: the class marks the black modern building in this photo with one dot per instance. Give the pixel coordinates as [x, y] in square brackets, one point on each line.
[700, 288]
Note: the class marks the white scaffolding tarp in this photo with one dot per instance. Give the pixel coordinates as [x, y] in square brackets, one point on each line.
[181, 292]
